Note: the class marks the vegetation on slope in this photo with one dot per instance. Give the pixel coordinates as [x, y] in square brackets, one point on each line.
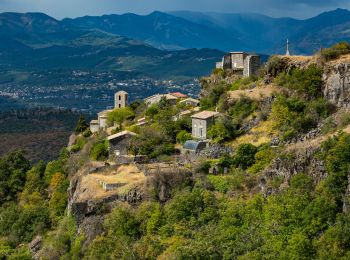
[40, 132]
[248, 209]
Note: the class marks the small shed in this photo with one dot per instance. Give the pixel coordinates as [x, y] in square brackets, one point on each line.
[194, 146]
[120, 143]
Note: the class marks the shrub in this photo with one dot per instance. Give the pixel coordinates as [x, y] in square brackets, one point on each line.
[220, 183]
[328, 126]
[245, 156]
[335, 51]
[276, 65]
[211, 99]
[223, 129]
[183, 136]
[13, 168]
[79, 144]
[305, 81]
[243, 108]
[99, 151]
[293, 116]
[120, 115]
[152, 111]
[87, 133]
[219, 72]
[152, 143]
[344, 119]
[243, 83]
[262, 159]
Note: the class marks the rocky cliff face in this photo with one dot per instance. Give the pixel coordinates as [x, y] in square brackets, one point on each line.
[296, 160]
[337, 83]
[336, 77]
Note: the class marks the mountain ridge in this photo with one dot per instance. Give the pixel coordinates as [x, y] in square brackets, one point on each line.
[181, 30]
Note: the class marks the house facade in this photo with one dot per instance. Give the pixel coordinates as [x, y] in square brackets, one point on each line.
[190, 102]
[201, 122]
[120, 143]
[240, 63]
[94, 126]
[172, 98]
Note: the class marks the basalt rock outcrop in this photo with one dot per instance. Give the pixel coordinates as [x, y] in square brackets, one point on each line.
[299, 160]
[337, 83]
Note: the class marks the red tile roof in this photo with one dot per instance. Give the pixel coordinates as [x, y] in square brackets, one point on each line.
[179, 95]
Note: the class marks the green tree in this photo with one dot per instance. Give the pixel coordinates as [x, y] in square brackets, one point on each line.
[82, 125]
[183, 136]
[245, 156]
[120, 115]
[100, 151]
[13, 168]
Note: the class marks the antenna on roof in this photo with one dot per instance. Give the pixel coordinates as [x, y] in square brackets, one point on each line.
[287, 51]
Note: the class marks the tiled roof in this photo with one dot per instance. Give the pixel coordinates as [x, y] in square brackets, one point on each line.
[105, 112]
[178, 95]
[123, 133]
[122, 92]
[205, 114]
[190, 100]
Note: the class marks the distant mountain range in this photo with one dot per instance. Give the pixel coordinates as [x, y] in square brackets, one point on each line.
[158, 44]
[248, 32]
[35, 41]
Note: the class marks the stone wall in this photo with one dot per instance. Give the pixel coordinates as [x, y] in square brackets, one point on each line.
[237, 60]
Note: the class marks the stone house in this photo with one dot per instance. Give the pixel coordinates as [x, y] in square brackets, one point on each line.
[156, 99]
[241, 63]
[190, 102]
[120, 143]
[201, 122]
[94, 126]
[103, 119]
[171, 97]
[121, 99]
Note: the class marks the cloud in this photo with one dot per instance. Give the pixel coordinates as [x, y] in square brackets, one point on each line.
[73, 8]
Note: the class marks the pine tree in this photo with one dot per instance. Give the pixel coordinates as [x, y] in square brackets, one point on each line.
[81, 125]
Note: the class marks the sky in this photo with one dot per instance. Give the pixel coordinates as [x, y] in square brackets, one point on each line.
[300, 9]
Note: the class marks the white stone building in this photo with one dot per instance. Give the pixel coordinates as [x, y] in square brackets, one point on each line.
[201, 122]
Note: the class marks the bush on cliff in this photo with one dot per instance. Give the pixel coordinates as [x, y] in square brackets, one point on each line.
[335, 51]
[306, 82]
[99, 151]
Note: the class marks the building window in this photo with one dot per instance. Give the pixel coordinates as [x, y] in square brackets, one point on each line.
[201, 132]
[120, 97]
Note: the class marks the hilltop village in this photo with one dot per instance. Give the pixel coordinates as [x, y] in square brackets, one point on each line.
[256, 131]
[240, 64]
[256, 168]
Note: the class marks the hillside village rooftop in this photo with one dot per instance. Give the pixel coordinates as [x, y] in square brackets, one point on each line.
[205, 115]
[120, 134]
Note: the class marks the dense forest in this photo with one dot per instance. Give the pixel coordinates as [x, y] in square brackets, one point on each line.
[21, 128]
[286, 197]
